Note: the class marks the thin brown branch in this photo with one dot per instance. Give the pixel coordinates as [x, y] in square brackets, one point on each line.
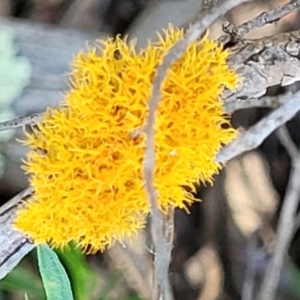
[286, 221]
[161, 244]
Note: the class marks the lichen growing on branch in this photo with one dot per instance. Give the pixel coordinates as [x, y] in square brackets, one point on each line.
[86, 157]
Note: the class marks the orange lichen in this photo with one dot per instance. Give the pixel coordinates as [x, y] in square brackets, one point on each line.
[86, 158]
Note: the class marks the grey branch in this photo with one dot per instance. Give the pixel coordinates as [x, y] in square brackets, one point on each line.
[268, 17]
[262, 64]
[232, 32]
[267, 101]
[287, 142]
[162, 246]
[19, 122]
[286, 220]
[253, 137]
[13, 244]
[249, 280]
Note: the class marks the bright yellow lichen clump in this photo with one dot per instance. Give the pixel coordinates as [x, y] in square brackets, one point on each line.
[86, 158]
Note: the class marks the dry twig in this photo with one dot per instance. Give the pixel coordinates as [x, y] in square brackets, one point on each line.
[19, 122]
[286, 220]
[261, 20]
[13, 244]
[268, 17]
[267, 101]
[162, 246]
[249, 281]
[254, 136]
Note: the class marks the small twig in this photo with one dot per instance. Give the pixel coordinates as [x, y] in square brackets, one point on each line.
[254, 136]
[268, 17]
[249, 280]
[14, 245]
[286, 220]
[267, 101]
[261, 20]
[19, 122]
[286, 140]
[162, 247]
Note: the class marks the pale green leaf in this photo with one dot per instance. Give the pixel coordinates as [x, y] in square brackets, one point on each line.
[26, 297]
[56, 282]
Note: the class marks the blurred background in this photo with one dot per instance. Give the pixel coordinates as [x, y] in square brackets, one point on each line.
[226, 236]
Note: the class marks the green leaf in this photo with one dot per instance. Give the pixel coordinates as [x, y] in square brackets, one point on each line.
[56, 282]
[26, 297]
[83, 279]
[22, 280]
